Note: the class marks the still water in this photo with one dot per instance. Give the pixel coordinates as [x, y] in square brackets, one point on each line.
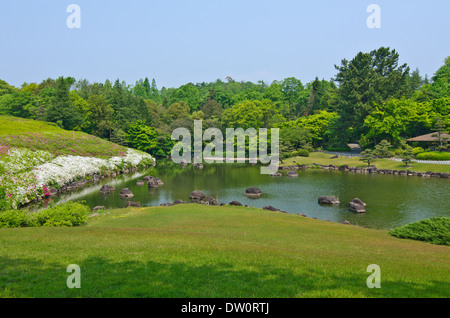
[391, 200]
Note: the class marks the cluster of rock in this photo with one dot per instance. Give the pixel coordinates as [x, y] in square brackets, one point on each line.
[356, 205]
[369, 170]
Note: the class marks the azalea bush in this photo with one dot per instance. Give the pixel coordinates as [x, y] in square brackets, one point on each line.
[27, 174]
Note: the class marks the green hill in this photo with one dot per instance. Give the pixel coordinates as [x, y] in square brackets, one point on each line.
[38, 135]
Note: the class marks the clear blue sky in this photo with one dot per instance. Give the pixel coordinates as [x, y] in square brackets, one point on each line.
[181, 41]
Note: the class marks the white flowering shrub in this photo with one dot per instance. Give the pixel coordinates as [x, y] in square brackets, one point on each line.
[26, 172]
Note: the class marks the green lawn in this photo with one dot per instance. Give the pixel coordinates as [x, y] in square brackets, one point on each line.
[324, 159]
[202, 251]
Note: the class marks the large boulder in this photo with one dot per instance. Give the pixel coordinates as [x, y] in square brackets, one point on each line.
[253, 192]
[328, 200]
[356, 207]
[107, 189]
[126, 193]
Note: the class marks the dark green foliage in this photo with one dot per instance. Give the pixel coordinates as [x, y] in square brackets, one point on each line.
[65, 215]
[434, 230]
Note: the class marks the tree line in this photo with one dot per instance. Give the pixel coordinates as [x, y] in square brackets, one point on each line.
[371, 98]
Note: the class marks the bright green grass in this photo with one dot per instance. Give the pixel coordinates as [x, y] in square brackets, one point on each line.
[38, 135]
[202, 251]
[324, 159]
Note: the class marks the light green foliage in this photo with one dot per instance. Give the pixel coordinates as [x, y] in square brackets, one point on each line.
[66, 215]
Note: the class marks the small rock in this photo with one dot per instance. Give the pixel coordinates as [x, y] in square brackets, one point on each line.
[346, 222]
[292, 174]
[107, 189]
[140, 183]
[133, 204]
[100, 207]
[355, 207]
[359, 201]
[126, 193]
[235, 203]
[271, 208]
[328, 200]
[253, 192]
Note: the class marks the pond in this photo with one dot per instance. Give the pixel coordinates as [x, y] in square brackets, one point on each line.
[391, 200]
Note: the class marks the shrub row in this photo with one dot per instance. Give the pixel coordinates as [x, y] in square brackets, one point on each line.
[66, 215]
[300, 152]
[434, 156]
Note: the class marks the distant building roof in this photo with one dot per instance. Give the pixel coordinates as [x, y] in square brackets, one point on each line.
[354, 146]
[429, 137]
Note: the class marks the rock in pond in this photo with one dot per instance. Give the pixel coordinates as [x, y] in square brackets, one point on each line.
[253, 192]
[359, 201]
[126, 193]
[292, 174]
[140, 183]
[276, 174]
[107, 189]
[154, 182]
[328, 200]
[355, 207]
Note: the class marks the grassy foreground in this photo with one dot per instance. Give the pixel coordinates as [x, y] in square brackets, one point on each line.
[324, 159]
[202, 251]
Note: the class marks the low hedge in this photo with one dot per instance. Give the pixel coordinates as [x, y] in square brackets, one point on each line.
[433, 156]
[434, 230]
[66, 215]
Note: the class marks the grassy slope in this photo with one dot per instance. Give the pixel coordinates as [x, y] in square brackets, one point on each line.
[324, 159]
[38, 135]
[203, 251]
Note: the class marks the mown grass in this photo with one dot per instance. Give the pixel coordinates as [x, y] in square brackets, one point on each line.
[37, 135]
[203, 251]
[325, 159]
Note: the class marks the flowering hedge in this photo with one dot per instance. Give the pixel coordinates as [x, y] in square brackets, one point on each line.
[26, 174]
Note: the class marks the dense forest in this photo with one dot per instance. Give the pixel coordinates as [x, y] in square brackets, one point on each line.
[371, 99]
